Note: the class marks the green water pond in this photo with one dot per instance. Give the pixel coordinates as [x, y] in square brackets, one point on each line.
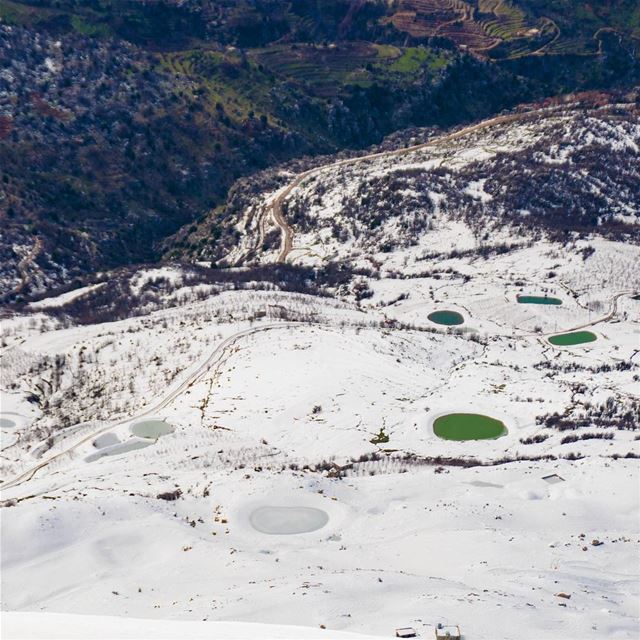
[468, 426]
[448, 318]
[538, 300]
[572, 338]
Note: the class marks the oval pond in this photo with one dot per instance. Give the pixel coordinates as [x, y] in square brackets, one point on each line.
[288, 520]
[468, 426]
[447, 318]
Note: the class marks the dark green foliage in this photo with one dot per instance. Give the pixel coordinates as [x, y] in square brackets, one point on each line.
[380, 438]
[153, 116]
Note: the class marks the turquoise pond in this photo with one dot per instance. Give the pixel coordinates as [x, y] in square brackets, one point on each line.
[539, 300]
[447, 318]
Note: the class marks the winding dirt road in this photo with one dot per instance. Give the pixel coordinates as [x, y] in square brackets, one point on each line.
[215, 359]
[25, 264]
[613, 310]
[275, 208]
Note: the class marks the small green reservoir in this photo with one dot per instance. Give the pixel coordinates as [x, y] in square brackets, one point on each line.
[573, 338]
[538, 300]
[468, 426]
[448, 318]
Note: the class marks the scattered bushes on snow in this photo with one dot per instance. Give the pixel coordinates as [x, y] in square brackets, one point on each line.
[586, 436]
[621, 414]
[170, 495]
[537, 439]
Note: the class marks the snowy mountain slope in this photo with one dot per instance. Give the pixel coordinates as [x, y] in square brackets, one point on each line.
[523, 174]
[463, 547]
[322, 400]
[403, 545]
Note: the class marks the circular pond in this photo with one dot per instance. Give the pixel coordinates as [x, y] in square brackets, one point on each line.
[538, 300]
[151, 429]
[288, 520]
[468, 426]
[448, 318]
[573, 338]
[5, 423]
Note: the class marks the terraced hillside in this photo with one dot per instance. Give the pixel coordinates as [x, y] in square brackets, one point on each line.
[509, 29]
[325, 69]
[125, 122]
[494, 28]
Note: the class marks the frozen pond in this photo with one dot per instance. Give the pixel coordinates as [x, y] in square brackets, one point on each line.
[145, 433]
[151, 429]
[288, 520]
[117, 449]
[105, 440]
[5, 423]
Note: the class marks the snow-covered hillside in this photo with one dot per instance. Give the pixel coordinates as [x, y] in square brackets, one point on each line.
[185, 444]
[514, 177]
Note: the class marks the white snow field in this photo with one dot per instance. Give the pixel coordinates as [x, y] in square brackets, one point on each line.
[257, 406]
[316, 414]
[29, 626]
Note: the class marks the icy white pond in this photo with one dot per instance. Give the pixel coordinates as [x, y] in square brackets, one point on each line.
[145, 433]
[151, 429]
[117, 449]
[5, 423]
[288, 520]
[106, 440]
